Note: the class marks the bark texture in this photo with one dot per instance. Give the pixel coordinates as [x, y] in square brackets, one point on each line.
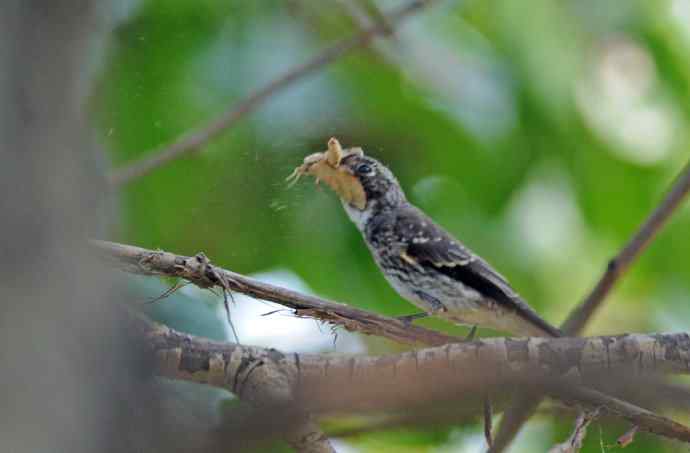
[454, 372]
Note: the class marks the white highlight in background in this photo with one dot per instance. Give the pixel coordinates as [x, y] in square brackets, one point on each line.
[281, 329]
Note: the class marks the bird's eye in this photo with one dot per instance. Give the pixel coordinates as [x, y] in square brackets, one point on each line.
[365, 169]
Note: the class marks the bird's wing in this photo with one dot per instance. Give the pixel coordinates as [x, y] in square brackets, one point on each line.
[427, 244]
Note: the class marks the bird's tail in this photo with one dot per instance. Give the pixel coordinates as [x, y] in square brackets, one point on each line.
[533, 325]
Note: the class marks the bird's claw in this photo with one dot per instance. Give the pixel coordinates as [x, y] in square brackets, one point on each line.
[409, 319]
[470, 336]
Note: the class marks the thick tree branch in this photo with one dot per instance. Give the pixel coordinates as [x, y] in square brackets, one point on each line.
[252, 374]
[201, 272]
[193, 141]
[320, 384]
[325, 378]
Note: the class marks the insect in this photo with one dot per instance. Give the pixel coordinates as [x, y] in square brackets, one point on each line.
[325, 166]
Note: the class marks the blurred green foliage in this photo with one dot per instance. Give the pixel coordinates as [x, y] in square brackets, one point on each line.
[540, 133]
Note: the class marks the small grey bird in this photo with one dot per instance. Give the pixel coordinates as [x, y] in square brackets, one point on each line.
[424, 263]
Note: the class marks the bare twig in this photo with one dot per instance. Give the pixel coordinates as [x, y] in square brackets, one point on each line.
[617, 266]
[201, 272]
[450, 417]
[167, 293]
[651, 422]
[488, 421]
[190, 142]
[514, 417]
[627, 438]
[523, 408]
[574, 442]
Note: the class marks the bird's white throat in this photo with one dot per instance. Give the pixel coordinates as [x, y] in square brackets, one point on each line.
[359, 217]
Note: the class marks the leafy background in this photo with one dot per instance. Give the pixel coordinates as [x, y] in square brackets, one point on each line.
[540, 133]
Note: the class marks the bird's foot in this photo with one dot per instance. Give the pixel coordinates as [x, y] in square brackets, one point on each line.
[409, 319]
[470, 336]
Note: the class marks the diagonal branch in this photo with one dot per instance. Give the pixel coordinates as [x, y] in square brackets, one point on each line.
[579, 317]
[524, 407]
[193, 141]
[199, 270]
[574, 442]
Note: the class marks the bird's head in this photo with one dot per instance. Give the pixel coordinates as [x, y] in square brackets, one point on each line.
[381, 188]
[363, 184]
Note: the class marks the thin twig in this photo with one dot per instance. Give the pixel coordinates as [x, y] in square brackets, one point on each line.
[628, 437]
[488, 421]
[192, 141]
[167, 293]
[226, 305]
[652, 422]
[579, 317]
[520, 410]
[525, 406]
[199, 270]
[574, 442]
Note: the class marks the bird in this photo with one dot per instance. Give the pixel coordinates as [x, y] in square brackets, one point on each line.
[422, 261]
